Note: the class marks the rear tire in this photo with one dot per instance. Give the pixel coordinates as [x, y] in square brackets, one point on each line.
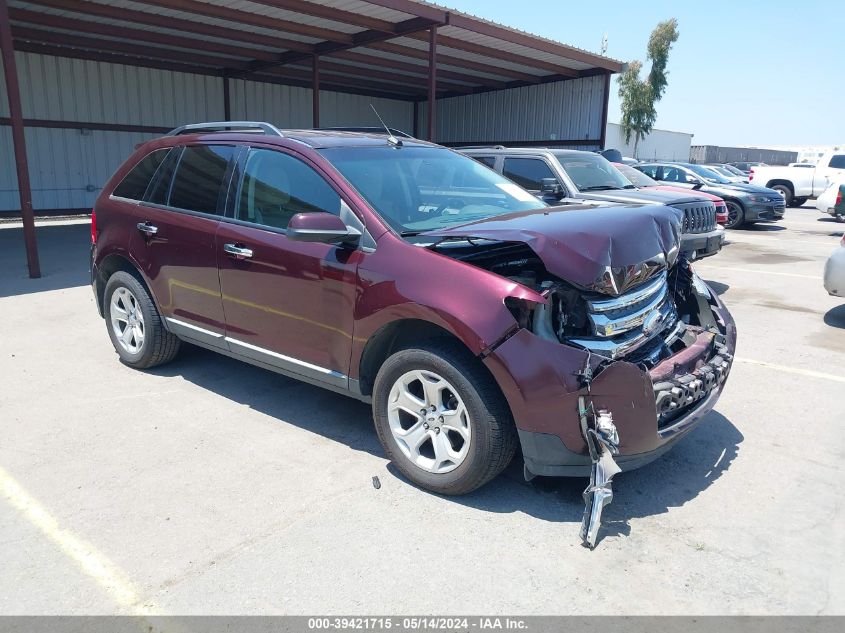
[736, 215]
[454, 381]
[786, 192]
[134, 325]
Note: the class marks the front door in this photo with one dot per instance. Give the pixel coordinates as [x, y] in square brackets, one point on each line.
[174, 242]
[288, 304]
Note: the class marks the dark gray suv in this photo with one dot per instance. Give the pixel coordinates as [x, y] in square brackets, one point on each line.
[564, 176]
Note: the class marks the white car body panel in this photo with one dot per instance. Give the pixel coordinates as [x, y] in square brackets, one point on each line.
[806, 182]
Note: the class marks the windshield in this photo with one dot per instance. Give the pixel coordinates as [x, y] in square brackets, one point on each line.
[733, 170]
[591, 172]
[416, 189]
[635, 176]
[721, 170]
[709, 175]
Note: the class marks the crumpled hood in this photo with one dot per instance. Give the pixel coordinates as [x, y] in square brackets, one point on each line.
[746, 188]
[606, 250]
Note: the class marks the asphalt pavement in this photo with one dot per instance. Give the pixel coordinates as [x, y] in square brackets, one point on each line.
[212, 487]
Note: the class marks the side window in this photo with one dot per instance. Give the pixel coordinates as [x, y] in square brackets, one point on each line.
[490, 161]
[837, 161]
[650, 171]
[199, 178]
[527, 172]
[135, 183]
[277, 186]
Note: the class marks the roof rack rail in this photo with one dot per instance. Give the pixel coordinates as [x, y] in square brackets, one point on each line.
[251, 127]
[479, 147]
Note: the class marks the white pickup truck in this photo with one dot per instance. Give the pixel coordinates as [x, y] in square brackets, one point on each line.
[797, 184]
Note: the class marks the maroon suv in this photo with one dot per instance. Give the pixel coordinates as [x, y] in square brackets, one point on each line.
[474, 317]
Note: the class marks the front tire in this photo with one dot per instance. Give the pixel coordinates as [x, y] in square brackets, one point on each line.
[799, 202]
[786, 192]
[442, 419]
[736, 215]
[134, 325]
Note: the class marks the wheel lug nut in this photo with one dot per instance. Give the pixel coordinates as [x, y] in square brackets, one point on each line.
[425, 426]
[437, 429]
[441, 419]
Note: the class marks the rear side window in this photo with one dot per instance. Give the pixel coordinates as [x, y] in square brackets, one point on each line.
[527, 172]
[837, 161]
[199, 178]
[490, 161]
[135, 183]
[651, 171]
[277, 186]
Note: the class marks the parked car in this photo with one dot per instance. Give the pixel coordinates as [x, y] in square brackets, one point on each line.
[834, 272]
[641, 181]
[734, 170]
[798, 184]
[570, 176]
[746, 203]
[832, 201]
[473, 317]
[722, 170]
[746, 167]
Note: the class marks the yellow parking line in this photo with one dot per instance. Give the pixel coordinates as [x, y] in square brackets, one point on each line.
[85, 555]
[757, 272]
[792, 370]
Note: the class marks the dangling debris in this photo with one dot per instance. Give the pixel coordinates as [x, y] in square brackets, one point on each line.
[603, 442]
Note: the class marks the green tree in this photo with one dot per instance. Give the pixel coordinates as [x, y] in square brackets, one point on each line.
[639, 96]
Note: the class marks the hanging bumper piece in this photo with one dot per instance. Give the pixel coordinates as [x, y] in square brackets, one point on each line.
[603, 442]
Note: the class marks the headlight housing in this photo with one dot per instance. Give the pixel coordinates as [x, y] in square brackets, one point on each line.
[758, 198]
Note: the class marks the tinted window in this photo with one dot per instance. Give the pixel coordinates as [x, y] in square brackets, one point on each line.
[527, 172]
[650, 170]
[135, 183]
[277, 186]
[638, 178]
[199, 177]
[490, 161]
[837, 162]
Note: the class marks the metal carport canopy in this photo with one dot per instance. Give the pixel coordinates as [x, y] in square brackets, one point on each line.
[398, 49]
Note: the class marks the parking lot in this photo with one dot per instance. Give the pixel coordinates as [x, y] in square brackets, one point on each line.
[208, 486]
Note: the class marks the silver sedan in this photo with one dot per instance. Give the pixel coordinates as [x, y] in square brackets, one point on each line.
[834, 272]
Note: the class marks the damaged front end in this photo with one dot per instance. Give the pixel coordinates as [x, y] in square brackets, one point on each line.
[629, 350]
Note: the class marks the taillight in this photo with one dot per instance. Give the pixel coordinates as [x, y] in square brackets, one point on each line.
[93, 226]
[838, 198]
[751, 175]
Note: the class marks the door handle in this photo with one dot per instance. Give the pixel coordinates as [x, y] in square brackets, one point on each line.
[147, 229]
[238, 252]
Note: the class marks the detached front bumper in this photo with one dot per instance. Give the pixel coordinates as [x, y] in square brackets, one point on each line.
[698, 245]
[538, 378]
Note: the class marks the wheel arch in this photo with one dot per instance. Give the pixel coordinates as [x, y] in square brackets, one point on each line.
[399, 334]
[108, 266]
[781, 181]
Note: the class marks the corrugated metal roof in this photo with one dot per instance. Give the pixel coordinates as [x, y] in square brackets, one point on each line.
[285, 33]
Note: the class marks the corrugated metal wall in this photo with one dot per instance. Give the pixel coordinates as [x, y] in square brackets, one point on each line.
[658, 145]
[68, 167]
[564, 110]
[717, 154]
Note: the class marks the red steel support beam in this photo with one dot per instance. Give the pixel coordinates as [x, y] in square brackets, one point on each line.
[432, 82]
[16, 117]
[315, 91]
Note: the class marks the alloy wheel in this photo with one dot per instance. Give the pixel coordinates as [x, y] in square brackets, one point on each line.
[127, 320]
[734, 215]
[429, 421]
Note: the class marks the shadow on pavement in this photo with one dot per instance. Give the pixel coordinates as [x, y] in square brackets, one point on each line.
[62, 249]
[835, 317]
[760, 228]
[673, 480]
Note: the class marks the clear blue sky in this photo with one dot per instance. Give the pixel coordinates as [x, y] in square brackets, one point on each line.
[744, 72]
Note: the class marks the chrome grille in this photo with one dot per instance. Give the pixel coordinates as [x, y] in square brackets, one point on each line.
[622, 324]
[699, 217]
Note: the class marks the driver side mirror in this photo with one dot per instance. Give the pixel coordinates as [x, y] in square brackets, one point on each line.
[550, 187]
[322, 227]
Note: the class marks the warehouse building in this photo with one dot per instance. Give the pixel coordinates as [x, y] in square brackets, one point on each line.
[86, 80]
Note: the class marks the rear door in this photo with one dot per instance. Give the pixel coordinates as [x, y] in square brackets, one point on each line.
[288, 304]
[175, 239]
